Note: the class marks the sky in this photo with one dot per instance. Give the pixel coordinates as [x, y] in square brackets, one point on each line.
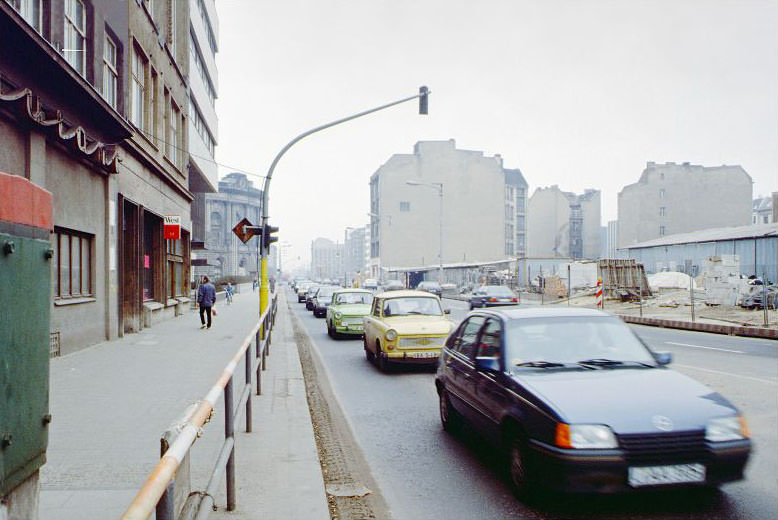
[581, 94]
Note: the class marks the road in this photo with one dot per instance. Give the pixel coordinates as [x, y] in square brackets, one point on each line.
[425, 473]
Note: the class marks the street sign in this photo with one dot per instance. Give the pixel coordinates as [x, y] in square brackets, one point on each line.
[241, 232]
[172, 227]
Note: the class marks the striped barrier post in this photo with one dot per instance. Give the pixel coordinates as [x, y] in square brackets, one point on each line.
[599, 293]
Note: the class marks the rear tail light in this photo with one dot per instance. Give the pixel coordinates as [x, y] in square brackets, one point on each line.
[492, 299]
[515, 300]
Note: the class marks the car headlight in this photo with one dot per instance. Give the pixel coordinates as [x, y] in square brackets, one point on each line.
[338, 315]
[585, 436]
[722, 429]
[391, 335]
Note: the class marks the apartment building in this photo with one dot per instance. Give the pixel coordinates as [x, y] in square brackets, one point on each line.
[563, 224]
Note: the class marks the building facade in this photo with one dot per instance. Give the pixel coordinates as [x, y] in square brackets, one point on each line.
[355, 253]
[326, 259]
[224, 253]
[76, 76]
[762, 212]
[483, 208]
[563, 224]
[202, 46]
[678, 198]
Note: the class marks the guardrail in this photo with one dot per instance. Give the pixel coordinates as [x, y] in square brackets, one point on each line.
[159, 489]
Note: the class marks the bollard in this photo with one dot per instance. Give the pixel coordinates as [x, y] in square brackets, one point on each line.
[229, 433]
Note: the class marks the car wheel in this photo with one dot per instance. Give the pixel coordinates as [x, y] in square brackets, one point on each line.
[368, 354]
[383, 362]
[330, 331]
[449, 417]
[519, 469]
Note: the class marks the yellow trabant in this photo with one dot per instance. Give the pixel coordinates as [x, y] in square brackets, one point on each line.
[405, 327]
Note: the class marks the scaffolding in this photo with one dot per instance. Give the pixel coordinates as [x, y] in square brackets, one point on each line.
[623, 275]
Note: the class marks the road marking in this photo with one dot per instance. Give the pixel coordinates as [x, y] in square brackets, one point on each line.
[751, 378]
[706, 348]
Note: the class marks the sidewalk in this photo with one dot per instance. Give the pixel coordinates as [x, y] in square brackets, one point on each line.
[111, 402]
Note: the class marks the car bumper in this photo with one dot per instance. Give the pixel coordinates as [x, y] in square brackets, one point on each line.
[606, 471]
[356, 330]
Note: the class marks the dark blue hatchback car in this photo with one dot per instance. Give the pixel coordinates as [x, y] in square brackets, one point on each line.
[579, 403]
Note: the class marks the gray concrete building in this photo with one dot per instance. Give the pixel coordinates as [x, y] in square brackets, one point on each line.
[355, 245]
[762, 211]
[678, 198]
[326, 259]
[563, 224]
[224, 253]
[483, 208]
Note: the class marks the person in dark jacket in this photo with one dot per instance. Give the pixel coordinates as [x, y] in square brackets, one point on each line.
[206, 297]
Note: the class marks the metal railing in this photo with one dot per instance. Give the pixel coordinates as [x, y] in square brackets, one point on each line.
[157, 493]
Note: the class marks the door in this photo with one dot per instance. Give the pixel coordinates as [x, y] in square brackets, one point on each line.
[460, 368]
[130, 275]
[489, 395]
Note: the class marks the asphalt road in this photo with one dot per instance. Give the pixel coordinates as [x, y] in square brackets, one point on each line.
[424, 473]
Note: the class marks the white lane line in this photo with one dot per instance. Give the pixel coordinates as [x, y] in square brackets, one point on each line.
[719, 372]
[706, 348]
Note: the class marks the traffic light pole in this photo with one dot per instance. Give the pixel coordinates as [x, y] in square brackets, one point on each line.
[264, 288]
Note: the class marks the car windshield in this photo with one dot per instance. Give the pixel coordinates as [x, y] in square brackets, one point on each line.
[412, 305]
[324, 294]
[353, 297]
[572, 340]
[499, 291]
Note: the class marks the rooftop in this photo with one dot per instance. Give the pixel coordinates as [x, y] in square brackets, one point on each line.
[712, 235]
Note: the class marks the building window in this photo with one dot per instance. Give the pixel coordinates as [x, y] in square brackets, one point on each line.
[661, 231]
[520, 222]
[177, 272]
[197, 58]
[174, 133]
[662, 175]
[138, 114]
[72, 263]
[74, 47]
[661, 193]
[207, 23]
[30, 10]
[152, 237]
[154, 107]
[110, 72]
[662, 211]
[405, 205]
[765, 219]
[202, 129]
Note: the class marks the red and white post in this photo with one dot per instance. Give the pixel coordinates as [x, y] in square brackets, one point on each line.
[598, 294]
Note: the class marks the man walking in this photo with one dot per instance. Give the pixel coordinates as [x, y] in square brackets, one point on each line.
[206, 297]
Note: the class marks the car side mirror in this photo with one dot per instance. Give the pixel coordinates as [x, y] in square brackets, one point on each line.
[487, 364]
[446, 311]
[663, 357]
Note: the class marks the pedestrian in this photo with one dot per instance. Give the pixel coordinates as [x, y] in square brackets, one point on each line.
[228, 292]
[253, 285]
[206, 297]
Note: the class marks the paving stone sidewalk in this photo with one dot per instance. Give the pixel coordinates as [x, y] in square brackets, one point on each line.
[111, 402]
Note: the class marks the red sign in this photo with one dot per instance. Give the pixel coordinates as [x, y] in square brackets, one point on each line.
[172, 227]
[241, 232]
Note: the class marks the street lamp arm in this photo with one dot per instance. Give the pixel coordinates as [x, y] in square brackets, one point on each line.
[300, 137]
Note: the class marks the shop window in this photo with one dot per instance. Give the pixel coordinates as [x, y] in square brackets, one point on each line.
[152, 231]
[72, 263]
[177, 254]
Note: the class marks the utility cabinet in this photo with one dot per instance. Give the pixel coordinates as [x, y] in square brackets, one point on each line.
[25, 299]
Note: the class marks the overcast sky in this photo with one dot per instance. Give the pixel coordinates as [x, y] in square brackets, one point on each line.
[576, 93]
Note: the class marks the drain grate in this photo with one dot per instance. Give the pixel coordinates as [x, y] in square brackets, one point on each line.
[54, 344]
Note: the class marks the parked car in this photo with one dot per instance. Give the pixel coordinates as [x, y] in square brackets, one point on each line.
[393, 285]
[371, 284]
[321, 300]
[405, 327]
[346, 313]
[579, 403]
[430, 287]
[492, 296]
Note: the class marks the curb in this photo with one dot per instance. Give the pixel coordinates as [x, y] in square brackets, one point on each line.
[731, 330]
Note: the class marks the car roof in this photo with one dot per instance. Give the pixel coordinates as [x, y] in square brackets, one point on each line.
[342, 290]
[546, 312]
[405, 293]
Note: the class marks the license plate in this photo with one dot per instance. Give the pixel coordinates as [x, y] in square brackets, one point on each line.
[423, 355]
[354, 327]
[659, 475]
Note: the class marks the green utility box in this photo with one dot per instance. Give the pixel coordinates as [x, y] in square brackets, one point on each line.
[25, 287]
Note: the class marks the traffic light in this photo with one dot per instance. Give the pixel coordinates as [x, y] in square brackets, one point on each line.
[423, 97]
[267, 239]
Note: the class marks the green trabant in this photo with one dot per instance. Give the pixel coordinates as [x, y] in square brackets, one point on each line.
[347, 311]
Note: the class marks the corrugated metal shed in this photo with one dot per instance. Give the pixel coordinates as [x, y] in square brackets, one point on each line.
[755, 245]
